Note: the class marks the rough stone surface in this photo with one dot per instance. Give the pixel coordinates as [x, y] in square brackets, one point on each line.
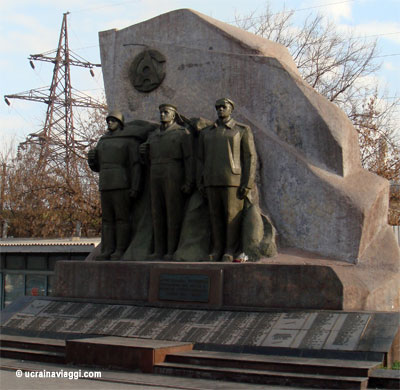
[310, 178]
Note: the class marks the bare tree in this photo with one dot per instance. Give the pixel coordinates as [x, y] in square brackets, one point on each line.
[380, 150]
[340, 67]
[43, 199]
[330, 61]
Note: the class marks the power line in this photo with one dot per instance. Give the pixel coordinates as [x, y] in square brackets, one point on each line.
[375, 35]
[294, 10]
[387, 55]
[216, 51]
[22, 117]
[107, 6]
[90, 47]
[351, 38]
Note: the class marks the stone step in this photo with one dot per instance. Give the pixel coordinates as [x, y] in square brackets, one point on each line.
[33, 343]
[266, 377]
[32, 354]
[122, 352]
[384, 379]
[276, 363]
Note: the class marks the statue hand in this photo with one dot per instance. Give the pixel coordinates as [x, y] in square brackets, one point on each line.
[187, 188]
[144, 148]
[203, 191]
[242, 192]
[91, 154]
[133, 194]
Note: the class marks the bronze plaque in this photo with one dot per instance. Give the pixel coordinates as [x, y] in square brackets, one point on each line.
[147, 71]
[184, 287]
[199, 287]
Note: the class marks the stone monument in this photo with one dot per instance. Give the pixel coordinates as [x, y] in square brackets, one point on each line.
[329, 296]
[311, 185]
[332, 289]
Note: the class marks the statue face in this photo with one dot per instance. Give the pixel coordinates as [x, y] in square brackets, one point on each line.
[167, 115]
[112, 124]
[224, 110]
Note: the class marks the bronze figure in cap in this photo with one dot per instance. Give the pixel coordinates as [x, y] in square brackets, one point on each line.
[116, 158]
[169, 150]
[227, 165]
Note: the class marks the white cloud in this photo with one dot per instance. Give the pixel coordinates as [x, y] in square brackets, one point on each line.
[26, 33]
[15, 133]
[388, 65]
[378, 28]
[27, 43]
[329, 8]
[118, 24]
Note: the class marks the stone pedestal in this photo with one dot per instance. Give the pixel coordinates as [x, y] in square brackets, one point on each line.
[291, 280]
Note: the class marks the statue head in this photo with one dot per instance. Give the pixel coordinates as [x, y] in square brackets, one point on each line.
[115, 120]
[224, 108]
[168, 113]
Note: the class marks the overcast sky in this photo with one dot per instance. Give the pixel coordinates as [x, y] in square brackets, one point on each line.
[33, 27]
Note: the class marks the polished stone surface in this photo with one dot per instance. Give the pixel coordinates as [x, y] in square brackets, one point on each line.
[301, 330]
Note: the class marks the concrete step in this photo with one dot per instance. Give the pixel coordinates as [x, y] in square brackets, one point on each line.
[32, 354]
[33, 343]
[384, 379]
[275, 363]
[245, 375]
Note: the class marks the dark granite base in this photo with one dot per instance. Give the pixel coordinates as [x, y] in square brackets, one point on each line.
[284, 282]
[334, 334]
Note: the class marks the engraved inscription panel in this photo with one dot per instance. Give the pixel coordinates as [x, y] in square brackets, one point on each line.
[319, 331]
[292, 320]
[305, 330]
[280, 338]
[184, 287]
[348, 336]
[35, 307]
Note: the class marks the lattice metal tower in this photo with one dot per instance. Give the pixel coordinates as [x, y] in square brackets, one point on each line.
[59, 141]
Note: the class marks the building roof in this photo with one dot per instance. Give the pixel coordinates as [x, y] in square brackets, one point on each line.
[23, 245]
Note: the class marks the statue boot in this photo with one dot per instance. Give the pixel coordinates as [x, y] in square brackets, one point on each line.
[123, 233]
[227, 258]
[232, 238]
[155, 256]
[159, 246]
[217, 251]
[107, 242]
[173, 241]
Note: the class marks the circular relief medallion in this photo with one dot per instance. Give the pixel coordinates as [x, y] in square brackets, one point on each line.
[147, 71]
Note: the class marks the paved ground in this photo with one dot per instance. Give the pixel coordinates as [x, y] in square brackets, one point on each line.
[9, 368]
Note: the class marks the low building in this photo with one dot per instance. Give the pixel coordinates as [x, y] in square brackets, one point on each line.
[27, 265]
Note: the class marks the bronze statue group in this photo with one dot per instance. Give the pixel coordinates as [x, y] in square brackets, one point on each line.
[217, 161]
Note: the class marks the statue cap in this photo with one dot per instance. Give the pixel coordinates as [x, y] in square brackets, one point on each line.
[169, 106]
[222, 101]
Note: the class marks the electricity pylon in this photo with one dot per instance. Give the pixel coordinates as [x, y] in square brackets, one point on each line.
[58, 142]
